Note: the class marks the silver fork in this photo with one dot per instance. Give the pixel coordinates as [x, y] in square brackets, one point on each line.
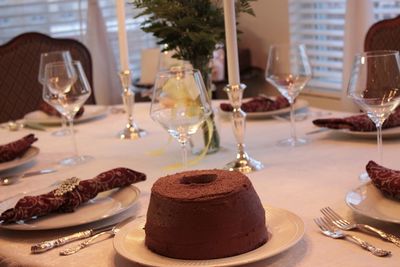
[344, 224]
[328, 230]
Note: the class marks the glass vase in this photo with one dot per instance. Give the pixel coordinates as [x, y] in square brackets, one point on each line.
[213, 142]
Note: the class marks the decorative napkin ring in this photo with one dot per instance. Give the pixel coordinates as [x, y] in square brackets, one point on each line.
[66, 186]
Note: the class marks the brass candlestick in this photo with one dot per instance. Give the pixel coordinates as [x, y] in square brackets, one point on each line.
[243, 162]
[131, 130]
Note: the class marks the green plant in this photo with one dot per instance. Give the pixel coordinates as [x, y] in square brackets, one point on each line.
[191, 28]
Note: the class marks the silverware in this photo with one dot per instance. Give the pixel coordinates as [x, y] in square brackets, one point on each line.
[18, 125]
[328, 230]
[108, 231]
[50, 244]
[320, 130]
[34, 126]
[344, 224]
[12, 178]
[297, 117]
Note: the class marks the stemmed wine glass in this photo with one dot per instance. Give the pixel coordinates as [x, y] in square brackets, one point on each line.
[180, 104]
[67, 89]
[375, 87]
[49, 57]
[288, 69]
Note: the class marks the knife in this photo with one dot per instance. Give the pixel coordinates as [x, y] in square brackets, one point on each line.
[50, 244]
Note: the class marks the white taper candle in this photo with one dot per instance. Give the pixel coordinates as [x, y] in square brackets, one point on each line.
[231, 42]
[122, 40]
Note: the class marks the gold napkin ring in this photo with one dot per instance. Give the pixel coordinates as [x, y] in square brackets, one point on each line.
[66, 186]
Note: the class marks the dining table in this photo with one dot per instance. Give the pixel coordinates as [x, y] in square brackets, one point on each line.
[298, 180]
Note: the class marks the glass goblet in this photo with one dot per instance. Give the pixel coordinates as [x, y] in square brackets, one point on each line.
[49, 57]
[180, 103]
[289, 70]
[67, 96]
[375, 87]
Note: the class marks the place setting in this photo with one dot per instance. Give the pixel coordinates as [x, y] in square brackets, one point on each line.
[18, 152]
[375, 93]
[377, 199]
[72, 202]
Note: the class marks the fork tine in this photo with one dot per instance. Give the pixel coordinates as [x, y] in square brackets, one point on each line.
[320, 224]
[328, 224]
[334, 217]
[323, 224]
[330, 214]
[340, 220]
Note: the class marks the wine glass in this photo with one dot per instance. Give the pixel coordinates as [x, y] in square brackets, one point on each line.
[375, 87]
[48, 57]
[288, 69]
[180, 103]
[67, 89]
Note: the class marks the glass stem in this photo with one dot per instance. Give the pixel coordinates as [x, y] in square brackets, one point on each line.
[71, 128]
[292, 122]
[64, 123]
[379, 141]
[184, 153]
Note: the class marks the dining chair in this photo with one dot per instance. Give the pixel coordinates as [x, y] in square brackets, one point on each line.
[383, 35]
[20, 90]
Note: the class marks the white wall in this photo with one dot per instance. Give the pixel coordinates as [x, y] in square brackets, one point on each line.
[271, 26]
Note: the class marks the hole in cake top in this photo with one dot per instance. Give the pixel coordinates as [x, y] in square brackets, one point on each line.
[199, 179]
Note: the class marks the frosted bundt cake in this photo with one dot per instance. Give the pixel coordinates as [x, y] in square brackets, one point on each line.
[204, 214]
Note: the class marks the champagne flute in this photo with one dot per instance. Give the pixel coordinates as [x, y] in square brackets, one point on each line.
[180, 103]
[67, 90]
[375, 87]
[289, 70]
[48, 57]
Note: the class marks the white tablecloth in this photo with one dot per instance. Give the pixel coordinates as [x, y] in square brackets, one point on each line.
[302, 180]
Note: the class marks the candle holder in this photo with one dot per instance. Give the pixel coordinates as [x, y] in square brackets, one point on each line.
[243, 162]
[131, 130]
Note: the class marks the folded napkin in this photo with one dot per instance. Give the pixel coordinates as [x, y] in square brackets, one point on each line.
[259, 104]
[358, 123]
[51, 111]
[386, 180]
[17, 148]
[70, 194]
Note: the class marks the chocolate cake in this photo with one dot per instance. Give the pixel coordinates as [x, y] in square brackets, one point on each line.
[204, 214]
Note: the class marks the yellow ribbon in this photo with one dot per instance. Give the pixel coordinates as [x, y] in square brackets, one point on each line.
[196, 160]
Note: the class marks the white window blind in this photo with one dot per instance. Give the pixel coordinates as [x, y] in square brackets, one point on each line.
[320, 25]
[386, 9]
[67, 19]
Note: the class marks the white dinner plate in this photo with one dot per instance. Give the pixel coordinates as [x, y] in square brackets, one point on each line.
[369, 201]
[387, 133]
[285, 229]
[104, 205]
[300, 103]
[91, 112]
[28, 156]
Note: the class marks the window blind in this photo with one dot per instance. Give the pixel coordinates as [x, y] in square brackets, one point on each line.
[320, 26]
[386, 9]
[67, 19]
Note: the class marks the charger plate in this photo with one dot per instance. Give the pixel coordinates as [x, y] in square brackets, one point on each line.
[104, 205]
[367, 200]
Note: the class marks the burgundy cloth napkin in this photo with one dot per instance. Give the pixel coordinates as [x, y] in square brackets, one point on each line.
[358, 123]
[17, 148]
[31, 206]
[51, 111]
[259, 104]
[386, 180]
